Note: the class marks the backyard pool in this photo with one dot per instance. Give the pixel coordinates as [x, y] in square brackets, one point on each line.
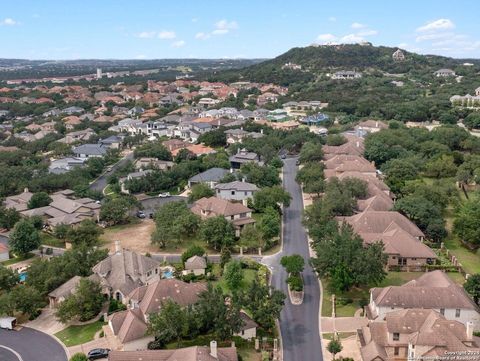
[22, 276]
[167, 274]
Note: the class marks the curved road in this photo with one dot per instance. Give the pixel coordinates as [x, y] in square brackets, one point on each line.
[298, 324]
[101, 182]
[30, 345]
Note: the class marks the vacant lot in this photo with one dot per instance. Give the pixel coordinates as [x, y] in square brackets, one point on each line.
[135, 237]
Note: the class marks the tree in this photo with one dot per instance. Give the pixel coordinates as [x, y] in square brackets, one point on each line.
[170, 323]
[270, 224]
[116, 210]
[214, 138]
[192, 251]
[8, 217]
[233, 275]
[153, 150]
[200, 190]
[472, 286]
[270, 197]
[61, 231]
[24, 299]
[334, 347]
[40, 199]
[251, 237]
[336, 139]
[174, 221]
[262, 176]
[293, 264]
[87, 232]
[264, 303]
[24, 238]
[466, 224]
[472, 120]
[311, 152]
[79, 357]
[8, 278]
[312, 178]
[85, 303]
[217, 232]
[342, 252]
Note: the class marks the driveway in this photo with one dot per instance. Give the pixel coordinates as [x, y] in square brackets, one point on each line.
[46, 322]
[30, 345]
[298, 324]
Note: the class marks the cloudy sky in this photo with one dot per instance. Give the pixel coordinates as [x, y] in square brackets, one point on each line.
[147, 29]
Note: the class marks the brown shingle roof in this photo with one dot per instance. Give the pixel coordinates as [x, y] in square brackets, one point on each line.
[218, 207]
[194, 353]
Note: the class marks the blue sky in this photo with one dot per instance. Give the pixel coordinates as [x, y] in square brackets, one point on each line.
[147, 29]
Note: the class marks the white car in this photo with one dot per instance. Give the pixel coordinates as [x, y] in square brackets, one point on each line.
[164, 195]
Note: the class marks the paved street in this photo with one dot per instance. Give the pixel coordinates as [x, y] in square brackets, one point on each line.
[298, 324]
[101, 182]
[31, 345]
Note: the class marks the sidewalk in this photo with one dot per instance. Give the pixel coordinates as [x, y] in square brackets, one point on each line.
[343, 324]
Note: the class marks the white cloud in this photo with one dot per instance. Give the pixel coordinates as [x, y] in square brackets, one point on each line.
[140, 56]
[358, 26]
[8, 22]
[327, 37]
[147, 34]
[202, 36]
[352, 38]
[367, 32]
[165, 34]
[440, 24]
[332, 19]
[178, 43]
[224, 26]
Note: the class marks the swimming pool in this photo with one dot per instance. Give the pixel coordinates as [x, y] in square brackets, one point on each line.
[22, 276]
[167, 274]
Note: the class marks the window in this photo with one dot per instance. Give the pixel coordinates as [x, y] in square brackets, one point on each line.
[442, 311]
[233, 193]
[156, 271]
[457, 312]
[243, 215]
[396, 336]
[396, 351]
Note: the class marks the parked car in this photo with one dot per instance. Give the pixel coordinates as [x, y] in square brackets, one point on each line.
[164, 195]
[98, 353]
[140, 214]
[283, 156]
[297, 162]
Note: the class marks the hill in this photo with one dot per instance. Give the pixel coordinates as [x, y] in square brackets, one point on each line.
[389, 89]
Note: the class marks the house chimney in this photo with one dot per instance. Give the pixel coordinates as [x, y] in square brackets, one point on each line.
[231, 170]
[469, 330]
[261, 131]
[118, 247]
[25, 190]
[213, 349]
[376, 124]
[243, 179]
[358, 144]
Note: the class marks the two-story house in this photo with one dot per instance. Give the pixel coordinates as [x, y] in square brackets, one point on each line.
[236, 191]
[432, 291]
[238, 214]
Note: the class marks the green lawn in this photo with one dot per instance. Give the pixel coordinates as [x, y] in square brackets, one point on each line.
[248, 277]
[341, 335]
[50, 240]
[470, 260]
[357, 294]
[17, 259]
[76, 335]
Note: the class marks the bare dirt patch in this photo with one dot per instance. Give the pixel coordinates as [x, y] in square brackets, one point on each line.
[135, 237]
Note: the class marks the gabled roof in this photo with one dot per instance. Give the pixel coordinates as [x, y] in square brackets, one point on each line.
[238, 186]
[67, 288]
[210, 175]
[218, 207]
[128, 325]
[194, 353]
[90, 149]
[195, 262]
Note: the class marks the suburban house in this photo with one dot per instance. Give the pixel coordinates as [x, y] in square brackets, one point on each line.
[371, 126]
[242, 157]
[416, 334]
[78, 136]
[152, 163]
[62, 210]
[132, 176]
[238, 135]
[353, 146]
[89, 151]
[195, 265]
[130, 326]
[431, 291]
[59, 294]
[211, 177]
[346, 74]
[444, 73]
[236, 213]
[64, 165]
[340, 163]
[249, 327]
[375, 186]
[193, 353]
[123, 271]
[4, 255]
[236, 191]
[112, 142]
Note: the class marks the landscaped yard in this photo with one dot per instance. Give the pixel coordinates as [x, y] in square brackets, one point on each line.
[17, 259]
[76, 335]
[49, 240]
[345, 308]
[248, 277]
[470, 260]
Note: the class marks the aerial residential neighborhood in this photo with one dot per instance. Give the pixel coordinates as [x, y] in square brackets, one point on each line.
[223, 181]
